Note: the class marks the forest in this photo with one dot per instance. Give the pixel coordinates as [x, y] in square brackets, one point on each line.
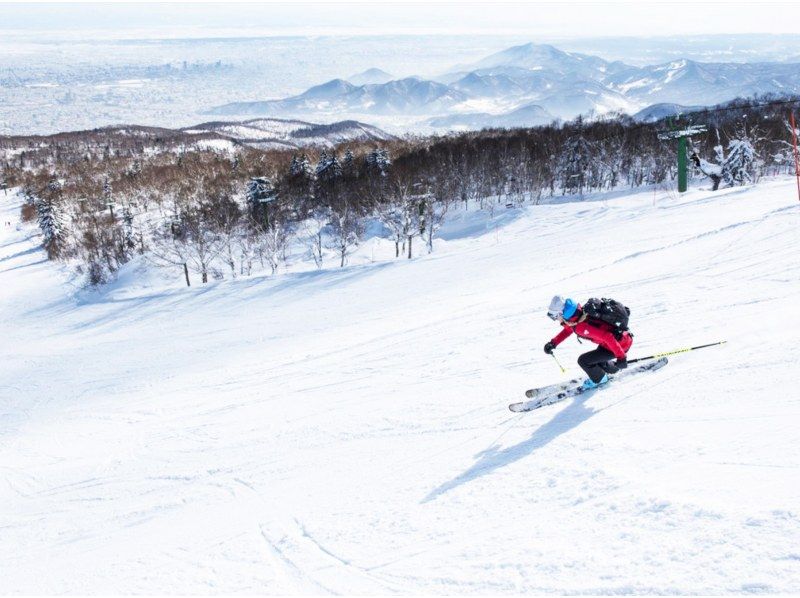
[103, 197]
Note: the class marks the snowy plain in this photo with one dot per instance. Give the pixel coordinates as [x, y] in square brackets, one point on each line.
[347, 430]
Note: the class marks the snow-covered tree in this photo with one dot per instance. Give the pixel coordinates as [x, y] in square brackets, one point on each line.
[739, 166]
[259, 193]
[300, 167]
[188, 241]
[313, 228]
[273, 242]
[434, 206]
[328, 168]
[348, 164]
[108, 196]
[345, 230]
[128, 228]
[574, 164]
[136, 169]
[51, 219]
[378, 161]
[401, 214]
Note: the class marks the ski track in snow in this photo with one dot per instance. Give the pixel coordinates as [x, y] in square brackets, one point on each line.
[347, 431]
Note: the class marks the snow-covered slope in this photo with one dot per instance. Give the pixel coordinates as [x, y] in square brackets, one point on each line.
[267, 133]
[347, 431]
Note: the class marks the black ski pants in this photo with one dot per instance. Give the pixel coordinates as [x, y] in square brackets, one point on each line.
[597, 363]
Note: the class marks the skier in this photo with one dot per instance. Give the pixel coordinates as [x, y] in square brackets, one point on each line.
[608, 358]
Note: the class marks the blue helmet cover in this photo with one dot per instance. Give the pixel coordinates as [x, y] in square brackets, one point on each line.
[570, 307]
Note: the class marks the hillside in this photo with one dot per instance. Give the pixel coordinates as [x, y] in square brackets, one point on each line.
[347, 431]
[222, 136]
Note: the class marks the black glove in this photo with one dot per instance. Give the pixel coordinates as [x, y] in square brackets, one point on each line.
[548, 348]
[621, 363]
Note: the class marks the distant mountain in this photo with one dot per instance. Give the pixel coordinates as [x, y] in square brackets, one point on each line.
[689, 82]
[370, 76]
[410, 95]
[562, 84]
[489, 85]
[542, 57]
[658, 112]
[273, 133]
[531, 115]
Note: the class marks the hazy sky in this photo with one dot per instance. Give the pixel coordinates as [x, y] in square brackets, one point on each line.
[542, 19]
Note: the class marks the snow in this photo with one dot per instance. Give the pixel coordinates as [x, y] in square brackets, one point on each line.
[219, 145]
[347, 431]
[626, 87]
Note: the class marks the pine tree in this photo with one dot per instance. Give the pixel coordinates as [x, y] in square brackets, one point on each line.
[260, 192]
[127, 221]
[348, 164]
[51, 221]
[136, 169]
[574, 164]
[108, 196]
[378, 162]
[328, 168]
[301, 167]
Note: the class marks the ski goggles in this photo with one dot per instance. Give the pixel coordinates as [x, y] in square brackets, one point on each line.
[554, 315]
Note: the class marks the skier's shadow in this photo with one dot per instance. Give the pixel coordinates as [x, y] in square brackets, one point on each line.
[494, 458]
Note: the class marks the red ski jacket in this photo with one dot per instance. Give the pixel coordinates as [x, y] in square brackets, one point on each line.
[597, 332]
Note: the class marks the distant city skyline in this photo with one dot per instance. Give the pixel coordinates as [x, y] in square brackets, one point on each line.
[541, 19]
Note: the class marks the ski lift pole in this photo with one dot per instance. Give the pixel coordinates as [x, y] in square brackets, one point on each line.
[675, 352]
[563, 369]
[682, 176]
[681, 135]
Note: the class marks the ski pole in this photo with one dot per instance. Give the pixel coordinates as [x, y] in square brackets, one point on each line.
[657, 355]
[563, 370]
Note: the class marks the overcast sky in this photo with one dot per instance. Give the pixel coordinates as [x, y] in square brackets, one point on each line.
[542, 19]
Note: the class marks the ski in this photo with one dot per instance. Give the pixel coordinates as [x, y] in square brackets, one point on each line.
[554, 393]
[567, 384]
[533, 392]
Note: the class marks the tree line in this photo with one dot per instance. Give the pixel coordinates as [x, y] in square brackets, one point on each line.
[102, 198]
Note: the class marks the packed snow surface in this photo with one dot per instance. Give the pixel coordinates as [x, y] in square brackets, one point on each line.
[347, 430]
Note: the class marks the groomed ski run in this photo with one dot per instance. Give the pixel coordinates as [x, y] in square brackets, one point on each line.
[347, 430]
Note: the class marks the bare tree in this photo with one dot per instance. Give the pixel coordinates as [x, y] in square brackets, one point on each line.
[345, 230]
[313, 229]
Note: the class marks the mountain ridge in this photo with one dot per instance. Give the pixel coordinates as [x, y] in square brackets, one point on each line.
[566, 84]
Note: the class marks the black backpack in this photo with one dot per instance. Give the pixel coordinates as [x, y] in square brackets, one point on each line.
[609, 311]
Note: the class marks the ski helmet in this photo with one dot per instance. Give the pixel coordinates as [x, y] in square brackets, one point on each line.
[570, 307]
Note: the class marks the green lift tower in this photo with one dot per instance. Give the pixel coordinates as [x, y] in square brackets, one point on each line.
[681, 135]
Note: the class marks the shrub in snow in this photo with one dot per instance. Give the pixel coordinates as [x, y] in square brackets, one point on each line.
[739, 166]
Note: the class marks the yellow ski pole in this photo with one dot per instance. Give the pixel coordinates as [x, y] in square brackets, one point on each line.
[563, 369]
[657, 355]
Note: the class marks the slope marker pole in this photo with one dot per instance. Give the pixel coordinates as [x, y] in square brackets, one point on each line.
[796, 156]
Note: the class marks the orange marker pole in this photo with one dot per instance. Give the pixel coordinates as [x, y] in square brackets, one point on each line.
[796, 156]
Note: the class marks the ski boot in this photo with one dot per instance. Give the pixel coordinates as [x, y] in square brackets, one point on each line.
[588, 384]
